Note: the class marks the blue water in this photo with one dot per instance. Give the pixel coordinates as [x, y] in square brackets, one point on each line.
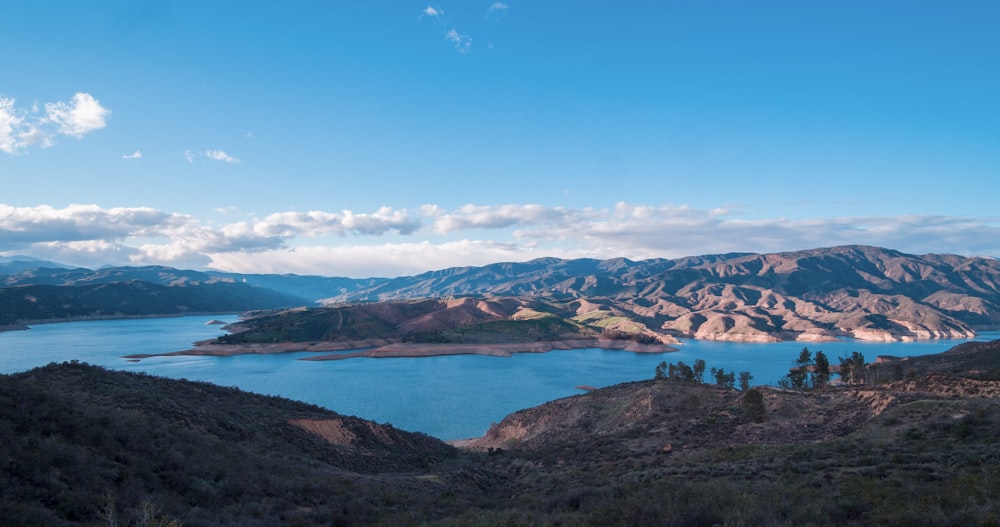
[449, 397]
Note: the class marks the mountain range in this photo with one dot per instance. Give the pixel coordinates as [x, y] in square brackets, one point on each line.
[821, 294]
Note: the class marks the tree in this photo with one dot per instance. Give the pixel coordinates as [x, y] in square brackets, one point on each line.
[852, 369]
[798, 375]
[674, 372]
[726, 380]
[680, 372]
[805, 357]
[821, 373]
[699, 370]
[745, 378]
[858, 367]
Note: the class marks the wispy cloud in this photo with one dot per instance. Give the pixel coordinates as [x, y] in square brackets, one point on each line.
[463, 43]
[351, 243]
[22, 128]
[219, 155]
[134, 155]
[11, 127]
[496, 12]
[213, 155]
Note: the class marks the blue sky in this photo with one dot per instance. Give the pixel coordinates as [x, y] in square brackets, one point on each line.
[395, 137]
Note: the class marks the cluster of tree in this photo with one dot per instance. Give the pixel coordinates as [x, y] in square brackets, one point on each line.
[853, 369]
[810, 371]
[695, 373]
[813, 371]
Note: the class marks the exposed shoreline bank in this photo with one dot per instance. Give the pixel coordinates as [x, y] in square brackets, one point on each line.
[378, 348]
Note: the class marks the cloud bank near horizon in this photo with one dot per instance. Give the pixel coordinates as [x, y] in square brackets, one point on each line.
[392, 242]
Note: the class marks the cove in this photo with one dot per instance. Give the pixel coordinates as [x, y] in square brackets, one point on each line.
[449, 397]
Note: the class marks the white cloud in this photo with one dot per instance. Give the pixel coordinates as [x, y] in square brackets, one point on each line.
[10, 125]
[498, 217]
[318, 223]
[20, 129]
[432, 11]
[498, 6]
[390, 259]
[134, 155]
[463, 43]
[219, 155]
[214, 155]
[27, 225]
[350, 243]
[79, 117]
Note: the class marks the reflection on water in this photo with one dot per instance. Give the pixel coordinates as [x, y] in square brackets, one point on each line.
[449, 397]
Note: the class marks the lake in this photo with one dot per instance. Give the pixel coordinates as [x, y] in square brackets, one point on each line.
[449, 397]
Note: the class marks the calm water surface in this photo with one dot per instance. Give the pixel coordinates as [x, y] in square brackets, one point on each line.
[449, 397]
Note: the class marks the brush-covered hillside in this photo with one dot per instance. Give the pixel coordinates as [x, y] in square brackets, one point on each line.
[478, 321]
[80, 445]
[85, 446]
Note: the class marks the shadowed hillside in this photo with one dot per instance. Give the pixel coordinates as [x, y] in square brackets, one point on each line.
[32, 303]
[84, 446]
[77, 440]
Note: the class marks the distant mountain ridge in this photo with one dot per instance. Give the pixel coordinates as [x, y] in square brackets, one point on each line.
[306, 288]
[811, 295]
[134, 298]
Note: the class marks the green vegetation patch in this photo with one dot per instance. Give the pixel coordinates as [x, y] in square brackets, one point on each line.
[547, 327]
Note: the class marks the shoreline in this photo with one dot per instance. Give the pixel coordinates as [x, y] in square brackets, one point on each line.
[380, 348]
[385, 348]
[206, 348]
[24, 325]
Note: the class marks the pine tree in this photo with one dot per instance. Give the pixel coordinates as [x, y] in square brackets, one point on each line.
[821, 373]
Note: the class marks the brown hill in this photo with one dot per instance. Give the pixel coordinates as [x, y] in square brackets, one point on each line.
[458, 321]
[861, 292]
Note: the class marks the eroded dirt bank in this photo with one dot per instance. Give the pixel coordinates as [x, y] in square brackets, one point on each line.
[376, 348]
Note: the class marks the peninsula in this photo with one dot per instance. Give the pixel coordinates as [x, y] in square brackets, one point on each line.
[424, 328]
